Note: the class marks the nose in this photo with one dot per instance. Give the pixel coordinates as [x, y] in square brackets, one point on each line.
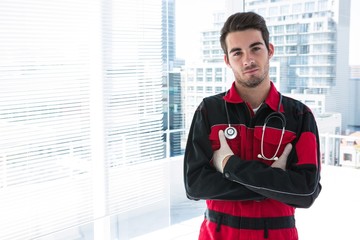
[249, 62]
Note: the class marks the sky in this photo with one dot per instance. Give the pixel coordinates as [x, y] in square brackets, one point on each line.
[193, 16]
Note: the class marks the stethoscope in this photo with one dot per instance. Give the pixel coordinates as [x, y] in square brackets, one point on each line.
[231, 133]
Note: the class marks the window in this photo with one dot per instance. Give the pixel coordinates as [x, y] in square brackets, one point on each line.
[279, 29]
[318, 26]
[206, 52]
[303, 60]
[291, 28]
[304, 28]
[279, 50]
[291, 39]
[284, 9]
[291, 49]
[309, 6]
[304, 49]
[273, 11]
[199, 89]
[46, 116]
[303, 39]
[218, 71]
[296, 8]
[218, 89]
[347, 157]
[278, 40]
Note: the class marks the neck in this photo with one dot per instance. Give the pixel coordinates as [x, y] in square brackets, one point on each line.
[254, 96]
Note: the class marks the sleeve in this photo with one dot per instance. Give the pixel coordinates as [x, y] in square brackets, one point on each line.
[201, 180]
[299, 185]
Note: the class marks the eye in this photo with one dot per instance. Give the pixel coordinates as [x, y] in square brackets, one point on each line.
[237, 53]
[256, 49]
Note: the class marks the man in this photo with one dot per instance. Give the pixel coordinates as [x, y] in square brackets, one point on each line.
[268, 163]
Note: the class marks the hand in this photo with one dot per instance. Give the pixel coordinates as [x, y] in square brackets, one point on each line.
[223, 152]
[281, 162]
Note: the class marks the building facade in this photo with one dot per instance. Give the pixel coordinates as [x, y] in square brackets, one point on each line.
[311, 40]
[354, 95]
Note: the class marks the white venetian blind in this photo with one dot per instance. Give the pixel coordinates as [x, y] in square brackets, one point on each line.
[133, 104]
[44, 116]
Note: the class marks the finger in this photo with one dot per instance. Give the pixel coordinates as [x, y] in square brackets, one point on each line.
[222, 137]
[287, 150]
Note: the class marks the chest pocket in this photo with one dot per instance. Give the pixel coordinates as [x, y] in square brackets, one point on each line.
[234, 144]
[271, 141]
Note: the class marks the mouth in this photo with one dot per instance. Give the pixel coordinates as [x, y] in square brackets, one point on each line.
[250, 71]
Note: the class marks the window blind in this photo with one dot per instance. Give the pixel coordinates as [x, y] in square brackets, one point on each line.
[133, 105]
[54, 172]
[45, 155]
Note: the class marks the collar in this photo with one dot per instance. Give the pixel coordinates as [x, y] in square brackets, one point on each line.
[272, 100]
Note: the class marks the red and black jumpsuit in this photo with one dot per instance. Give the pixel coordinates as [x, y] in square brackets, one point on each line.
[251, 200]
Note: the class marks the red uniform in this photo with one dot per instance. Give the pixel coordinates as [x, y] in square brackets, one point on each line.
[251, 200]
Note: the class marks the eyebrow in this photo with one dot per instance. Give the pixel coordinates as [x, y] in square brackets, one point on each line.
[251, 45]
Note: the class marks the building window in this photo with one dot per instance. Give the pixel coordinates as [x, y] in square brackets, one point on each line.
[284, 9]
[304, 39]
[304, 49]
[279, 29]
[309, 6]
[303, 60]
[304, 27]
[279, 50]
[291, 28]
[218, 71]
[291, 49]
[218, 79]
[278, 40]
[347, 157]
[297, 8]
[291, 39]
[318, 26]
[218, 89]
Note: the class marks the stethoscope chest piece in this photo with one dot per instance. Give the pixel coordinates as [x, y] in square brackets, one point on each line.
[230, 133]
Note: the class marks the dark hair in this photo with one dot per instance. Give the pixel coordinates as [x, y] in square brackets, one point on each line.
[242, 21]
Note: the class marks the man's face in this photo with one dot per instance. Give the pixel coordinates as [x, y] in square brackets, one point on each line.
[248, 57]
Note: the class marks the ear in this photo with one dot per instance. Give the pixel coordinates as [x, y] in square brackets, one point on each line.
[226, 60]
[271, 50]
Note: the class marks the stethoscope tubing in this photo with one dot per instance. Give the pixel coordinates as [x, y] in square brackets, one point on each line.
[231, 132]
